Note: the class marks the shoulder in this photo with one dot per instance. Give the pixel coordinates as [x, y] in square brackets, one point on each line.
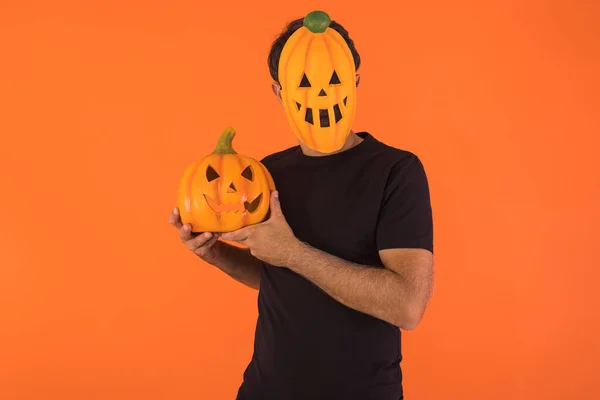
[403, 173]
[281, 159]
[399, 162]
[278, 156]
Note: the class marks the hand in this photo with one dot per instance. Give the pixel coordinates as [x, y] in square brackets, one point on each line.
[204, 245]
[271, 241]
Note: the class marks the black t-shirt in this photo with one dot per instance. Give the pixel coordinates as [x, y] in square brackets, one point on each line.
[351, 204]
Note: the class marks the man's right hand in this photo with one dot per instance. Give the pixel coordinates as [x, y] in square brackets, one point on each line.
[205, 245]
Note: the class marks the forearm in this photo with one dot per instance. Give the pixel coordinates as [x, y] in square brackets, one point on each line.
[378, 292]
[239, 264]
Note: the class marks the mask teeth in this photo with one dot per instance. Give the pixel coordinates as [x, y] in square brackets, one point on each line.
[309, 116]
[324, 118]
[337, 112]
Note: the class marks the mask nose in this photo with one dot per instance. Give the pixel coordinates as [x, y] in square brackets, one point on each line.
[231, 188]
[322, 93]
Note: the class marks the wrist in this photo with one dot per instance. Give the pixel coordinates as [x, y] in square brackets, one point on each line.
[221, 256]
[298, 253]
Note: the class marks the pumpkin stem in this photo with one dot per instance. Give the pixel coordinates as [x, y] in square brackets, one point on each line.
[224, 145]
[317, 21]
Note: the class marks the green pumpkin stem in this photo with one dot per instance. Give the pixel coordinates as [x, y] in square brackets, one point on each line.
[317, 21]
[224, 145]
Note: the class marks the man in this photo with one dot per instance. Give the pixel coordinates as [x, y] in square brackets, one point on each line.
[345, 258]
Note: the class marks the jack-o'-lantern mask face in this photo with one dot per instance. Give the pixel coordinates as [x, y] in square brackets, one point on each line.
[225, 191]
[318, 84]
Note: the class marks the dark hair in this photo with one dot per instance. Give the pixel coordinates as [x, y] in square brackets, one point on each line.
[292, 27]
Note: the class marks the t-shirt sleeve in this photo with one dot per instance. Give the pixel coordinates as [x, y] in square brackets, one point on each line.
[405, 217]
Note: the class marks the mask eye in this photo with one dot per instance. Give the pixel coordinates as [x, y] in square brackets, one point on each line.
[304, 83]
[247, 173]
[335, 79]
[211, 174]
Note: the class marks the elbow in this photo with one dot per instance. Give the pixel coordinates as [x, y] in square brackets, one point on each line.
[410, 318]
[409, 324]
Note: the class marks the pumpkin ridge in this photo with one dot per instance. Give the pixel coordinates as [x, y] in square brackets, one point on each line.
[339, 40]
[287, 61]
[310, 127]
[243, 188]
[265, 184]
[188, 190]
[290, 50]
[220, 183]
[333, 125]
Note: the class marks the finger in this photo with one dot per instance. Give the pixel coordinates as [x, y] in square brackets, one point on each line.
[185, 233]
[198, 241]
[175, 219]
[202, 250]
[275, 205]
[239, 236]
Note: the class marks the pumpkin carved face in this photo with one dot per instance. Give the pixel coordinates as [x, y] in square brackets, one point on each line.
[318, 84]
[224, 191]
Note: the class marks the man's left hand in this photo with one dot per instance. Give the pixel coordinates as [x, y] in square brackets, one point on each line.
[272, 241]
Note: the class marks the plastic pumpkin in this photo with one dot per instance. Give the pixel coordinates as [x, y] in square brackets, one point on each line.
[317, 75]
[224, 191]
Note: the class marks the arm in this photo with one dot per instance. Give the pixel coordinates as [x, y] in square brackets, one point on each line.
[397, 293]
[238, 263]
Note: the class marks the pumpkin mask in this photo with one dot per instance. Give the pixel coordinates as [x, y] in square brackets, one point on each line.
[317, 75]
[224, 191]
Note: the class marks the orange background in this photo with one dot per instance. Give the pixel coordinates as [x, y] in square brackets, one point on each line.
[104, 103]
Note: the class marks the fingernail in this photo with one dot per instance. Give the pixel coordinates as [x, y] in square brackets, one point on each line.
[175, 211]
[187, 227]
[207, 235]
[276, 194]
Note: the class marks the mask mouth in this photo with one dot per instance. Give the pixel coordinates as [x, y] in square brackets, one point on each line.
[324, 118]
[247, 206]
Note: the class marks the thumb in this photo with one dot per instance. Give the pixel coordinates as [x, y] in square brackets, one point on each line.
[275, 206]
[239, 235]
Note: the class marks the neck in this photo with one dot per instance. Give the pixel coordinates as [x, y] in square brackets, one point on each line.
[352, 140]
